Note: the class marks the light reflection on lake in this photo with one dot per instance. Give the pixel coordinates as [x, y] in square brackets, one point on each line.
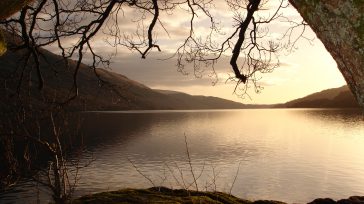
[289, 155]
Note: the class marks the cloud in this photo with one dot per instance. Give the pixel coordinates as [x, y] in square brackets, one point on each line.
[155, 72]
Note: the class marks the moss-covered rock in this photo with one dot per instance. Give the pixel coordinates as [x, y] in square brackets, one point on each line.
[350, 200]
[164, 195]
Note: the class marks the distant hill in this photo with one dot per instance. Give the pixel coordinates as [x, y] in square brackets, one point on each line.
[120, 93]
[186, 101]
[331, 98]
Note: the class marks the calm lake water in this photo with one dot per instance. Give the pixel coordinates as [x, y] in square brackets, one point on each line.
[291, 155]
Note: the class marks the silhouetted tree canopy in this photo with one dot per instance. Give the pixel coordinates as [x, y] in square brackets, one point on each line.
[73, 25]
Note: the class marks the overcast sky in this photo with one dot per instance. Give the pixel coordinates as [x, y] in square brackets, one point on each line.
[308, 69]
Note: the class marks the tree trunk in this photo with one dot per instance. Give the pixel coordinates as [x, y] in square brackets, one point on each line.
[340, 26]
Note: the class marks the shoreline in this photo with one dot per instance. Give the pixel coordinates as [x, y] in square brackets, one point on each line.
[166, 195]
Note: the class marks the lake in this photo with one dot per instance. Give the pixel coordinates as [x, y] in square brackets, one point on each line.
[291, 155]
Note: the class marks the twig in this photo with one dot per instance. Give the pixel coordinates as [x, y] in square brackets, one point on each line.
[175, 178]
[141, 173]
[190, 164]
[236, 175]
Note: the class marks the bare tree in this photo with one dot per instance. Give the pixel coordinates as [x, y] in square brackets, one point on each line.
[38, 145]
[342, 34]
[73, 27]
[60, 175]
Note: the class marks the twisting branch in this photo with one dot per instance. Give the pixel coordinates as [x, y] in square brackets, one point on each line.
[150, 29]
[251, 9]
[73, 26]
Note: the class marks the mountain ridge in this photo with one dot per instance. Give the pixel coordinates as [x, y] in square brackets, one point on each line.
[119, 93]
[122, 93]
[340, 97]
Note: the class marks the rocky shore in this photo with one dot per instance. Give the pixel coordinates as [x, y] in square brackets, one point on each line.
[166, 195]
[351, 200]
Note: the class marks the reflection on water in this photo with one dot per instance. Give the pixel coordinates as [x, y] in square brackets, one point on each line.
[288, 155]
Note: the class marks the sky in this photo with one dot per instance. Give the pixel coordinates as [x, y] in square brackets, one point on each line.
[305, 70]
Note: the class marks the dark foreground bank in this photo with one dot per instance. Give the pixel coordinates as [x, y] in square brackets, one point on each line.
[166, 195]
